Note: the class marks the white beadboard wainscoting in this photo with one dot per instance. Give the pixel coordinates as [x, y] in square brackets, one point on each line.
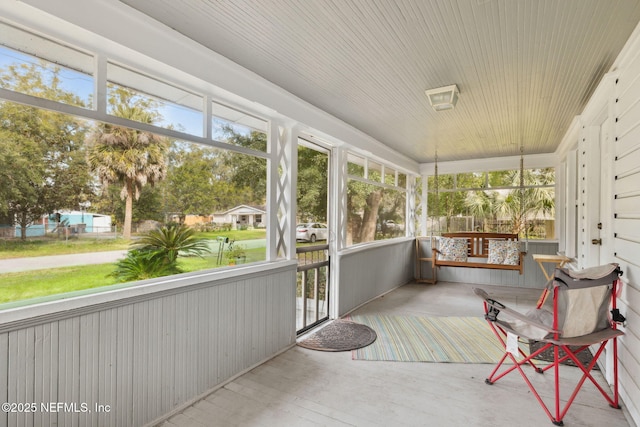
[366, 272]
[129, 356]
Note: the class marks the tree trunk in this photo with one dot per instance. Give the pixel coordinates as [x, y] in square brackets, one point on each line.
[128, 213]
[24, 223]
[368, 229]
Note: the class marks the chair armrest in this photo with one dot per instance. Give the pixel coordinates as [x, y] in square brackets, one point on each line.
[513, 313]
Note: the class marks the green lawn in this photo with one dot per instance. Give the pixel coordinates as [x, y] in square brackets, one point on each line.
[42, 283]
[39, 283]
[50, 246]
[21, 286]
[211, 260]
[32, 284]
[238, 235]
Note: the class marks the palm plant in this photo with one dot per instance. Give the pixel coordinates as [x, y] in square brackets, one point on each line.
[516, 204]
[156, 253]
[169, 241]
[129, 157]
[141, 265]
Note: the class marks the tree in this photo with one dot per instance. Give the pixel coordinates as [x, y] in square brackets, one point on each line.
[193, 184]
[42, 153]
[312, 185]
[125, 156]
[392, 208]
[522, 205]
[25, 187]
[448, 204]
[518, 205]
[149, 205]
[370, 215]
[248, 173]
[200, 181]
[372, 206]
[363, 203]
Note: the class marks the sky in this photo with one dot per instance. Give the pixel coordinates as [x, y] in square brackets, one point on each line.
[176, 116]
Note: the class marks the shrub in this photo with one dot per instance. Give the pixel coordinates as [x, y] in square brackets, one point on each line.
[236, 252]
[155, 254]
[172, 240]
[140, 265]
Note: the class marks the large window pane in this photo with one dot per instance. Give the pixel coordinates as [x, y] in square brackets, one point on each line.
[444, 182]
[238, 128]
[78, 186]
[402, 180]
[470, 180]
[355, 165]
[506, 178]
[374, 212]
[36, 66]
[389, 176]
[546, 176]
[374, 171]
[165, 105]
[376, 201]
[503, 207]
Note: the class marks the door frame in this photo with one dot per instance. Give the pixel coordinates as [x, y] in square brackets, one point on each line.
[324, 251]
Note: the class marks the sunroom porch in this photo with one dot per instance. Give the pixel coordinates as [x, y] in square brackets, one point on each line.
[139, 354]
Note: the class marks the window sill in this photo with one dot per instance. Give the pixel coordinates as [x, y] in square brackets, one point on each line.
[96, 299]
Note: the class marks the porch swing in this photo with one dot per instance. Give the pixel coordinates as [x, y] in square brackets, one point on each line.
[470, 249]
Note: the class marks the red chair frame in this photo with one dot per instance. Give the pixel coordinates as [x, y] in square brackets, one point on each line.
[571, 347]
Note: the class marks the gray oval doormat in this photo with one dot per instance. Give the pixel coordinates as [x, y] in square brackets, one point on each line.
[340, 335]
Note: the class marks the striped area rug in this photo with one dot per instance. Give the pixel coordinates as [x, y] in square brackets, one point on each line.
[429, 339]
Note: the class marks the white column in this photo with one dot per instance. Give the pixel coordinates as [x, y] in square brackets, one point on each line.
[339, 203]
[282, 191]
[410, 215]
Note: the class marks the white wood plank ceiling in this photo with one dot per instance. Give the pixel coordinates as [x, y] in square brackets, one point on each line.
[525, 68]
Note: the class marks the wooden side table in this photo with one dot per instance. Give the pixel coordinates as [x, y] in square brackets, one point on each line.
[541, 259]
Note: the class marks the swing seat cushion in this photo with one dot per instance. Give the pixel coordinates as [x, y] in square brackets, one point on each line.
[453, 249]
[506, 252]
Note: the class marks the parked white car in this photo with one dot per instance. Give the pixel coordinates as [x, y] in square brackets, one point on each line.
[312, 231]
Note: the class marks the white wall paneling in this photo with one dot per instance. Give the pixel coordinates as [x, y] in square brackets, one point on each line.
[145, 356]
[571, 209]
[626, 222]
[367, 272]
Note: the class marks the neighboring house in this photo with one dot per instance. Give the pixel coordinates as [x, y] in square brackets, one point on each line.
[243, 215]
[93, 223]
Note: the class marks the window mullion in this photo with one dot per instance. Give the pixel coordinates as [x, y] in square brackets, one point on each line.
[100, 85]
[207, 112]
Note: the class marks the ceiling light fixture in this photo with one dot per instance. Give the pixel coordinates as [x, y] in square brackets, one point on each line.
[443, 98]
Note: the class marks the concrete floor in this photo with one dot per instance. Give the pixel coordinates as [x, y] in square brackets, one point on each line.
[303, 387]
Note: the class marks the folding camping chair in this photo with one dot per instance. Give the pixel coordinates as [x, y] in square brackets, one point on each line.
[579, 319]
